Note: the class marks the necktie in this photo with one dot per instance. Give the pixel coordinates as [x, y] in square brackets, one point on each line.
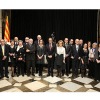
[77, 48]
[66, 45]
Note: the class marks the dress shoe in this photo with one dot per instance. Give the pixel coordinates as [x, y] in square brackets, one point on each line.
[7, 76]
[67, 74]
[18, 75]
[33, 74]
[1, 77]
[48, 75]
[23, 75]
[52, 75]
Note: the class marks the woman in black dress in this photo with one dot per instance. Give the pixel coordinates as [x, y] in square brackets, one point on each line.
[40, 56]
[12, 52]
[20, 56]
[84, 57]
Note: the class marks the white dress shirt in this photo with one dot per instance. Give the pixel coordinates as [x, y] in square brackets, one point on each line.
[61, 50]
[3, 49]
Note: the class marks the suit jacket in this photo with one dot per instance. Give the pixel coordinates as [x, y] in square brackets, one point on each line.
[30, 55]
[68, 50]
[40, 52]
[96, 53]
[52, 51]
[20, 53]
[15, 44]
[6, 51]
[76, 54]
[24, 44]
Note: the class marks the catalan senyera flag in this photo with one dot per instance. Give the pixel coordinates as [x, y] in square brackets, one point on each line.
[7, 30]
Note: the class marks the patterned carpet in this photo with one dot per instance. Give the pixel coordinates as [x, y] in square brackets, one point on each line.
[48, 84]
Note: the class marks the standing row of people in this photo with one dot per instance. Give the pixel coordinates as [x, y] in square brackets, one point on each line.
[29, 57]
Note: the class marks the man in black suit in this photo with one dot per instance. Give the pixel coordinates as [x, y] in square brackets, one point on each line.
[36, 42]
[50, 55]
[81, 43]
[26, 41]
[76, 56]
[24, 45]
[15, 45]
[81, 46]
[30, 57]
[4, 55]
[15, 42]
[68, 55]
[71, 43]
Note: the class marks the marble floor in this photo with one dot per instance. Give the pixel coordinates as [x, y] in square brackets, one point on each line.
[48, 84]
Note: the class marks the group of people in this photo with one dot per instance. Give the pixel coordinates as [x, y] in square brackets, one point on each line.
[66, 56]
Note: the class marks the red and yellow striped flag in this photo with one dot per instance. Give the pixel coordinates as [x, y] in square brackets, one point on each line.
[7, 31]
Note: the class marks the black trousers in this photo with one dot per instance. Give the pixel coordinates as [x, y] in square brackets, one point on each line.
[67, 60]
[25, 67]
[75, 66]
[40, 68]
[30, 63]
[91, 68]
[20, 65]
[70, 64]
[97, 71]
[4, 63]
[50, 65]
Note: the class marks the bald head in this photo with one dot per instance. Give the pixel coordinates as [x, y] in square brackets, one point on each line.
[30, 41]
[16, 39]
[2, 42]
[66, 40]
[77, 41]
[39, 37]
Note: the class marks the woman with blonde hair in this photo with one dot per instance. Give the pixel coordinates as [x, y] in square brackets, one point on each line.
[60, 57]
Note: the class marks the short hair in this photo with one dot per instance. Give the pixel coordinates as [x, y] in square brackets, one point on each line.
[20, 41]
[11, 40]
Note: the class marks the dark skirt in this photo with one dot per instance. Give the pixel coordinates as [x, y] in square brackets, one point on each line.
[59, 62]
[13, 62]
[40, 61]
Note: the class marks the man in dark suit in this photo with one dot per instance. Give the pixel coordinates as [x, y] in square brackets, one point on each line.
[30, 57]
[26, 41]
[36, 42]
[71, 43]
[15, 45]
[68, 55]
[50, 55]
[4, 55]
[15, 42]
[76, 56]
[24, 45]
[81, 46]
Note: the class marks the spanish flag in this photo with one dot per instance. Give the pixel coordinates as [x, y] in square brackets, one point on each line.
[7, 31]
